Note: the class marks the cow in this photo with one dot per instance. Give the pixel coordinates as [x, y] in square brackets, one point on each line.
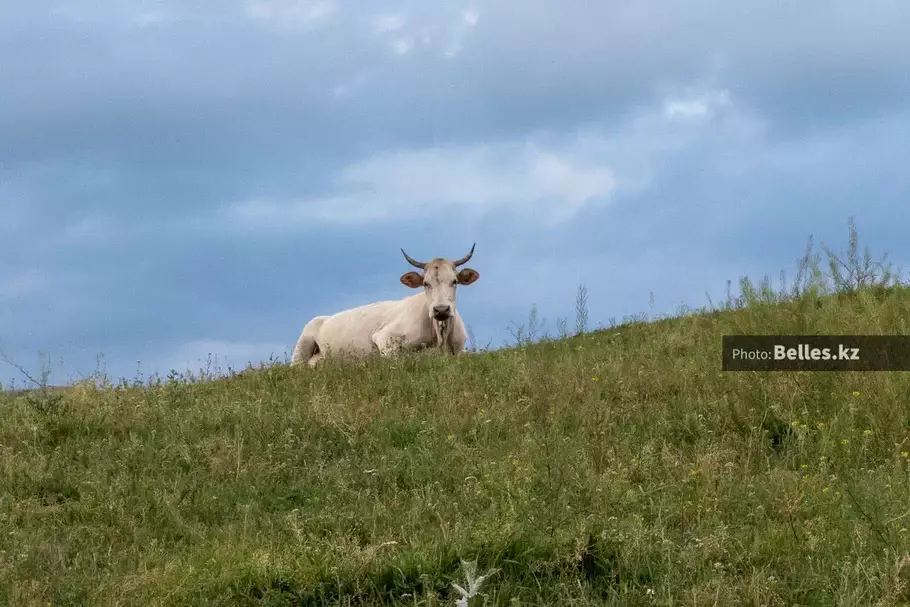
[425, 319]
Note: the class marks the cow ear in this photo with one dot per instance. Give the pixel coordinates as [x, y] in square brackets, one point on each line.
[412, 279]
[467, 276]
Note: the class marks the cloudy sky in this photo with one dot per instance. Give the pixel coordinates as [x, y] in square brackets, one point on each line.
[183, 178]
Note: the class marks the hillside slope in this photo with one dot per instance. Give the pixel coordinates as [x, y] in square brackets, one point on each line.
[620, 467]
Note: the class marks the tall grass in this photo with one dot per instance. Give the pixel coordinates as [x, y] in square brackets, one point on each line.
[609, 467]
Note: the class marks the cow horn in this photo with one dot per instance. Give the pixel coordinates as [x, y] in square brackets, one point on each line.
[414, 262]
[465, 259]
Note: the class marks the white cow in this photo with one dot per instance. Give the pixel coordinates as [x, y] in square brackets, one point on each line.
[424, 319]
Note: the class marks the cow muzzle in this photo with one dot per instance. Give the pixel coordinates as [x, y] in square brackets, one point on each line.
[443, 312]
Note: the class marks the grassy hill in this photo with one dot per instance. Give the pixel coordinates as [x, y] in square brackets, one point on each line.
[615, 467]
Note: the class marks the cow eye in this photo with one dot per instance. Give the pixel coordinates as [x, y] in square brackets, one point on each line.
[454, 282]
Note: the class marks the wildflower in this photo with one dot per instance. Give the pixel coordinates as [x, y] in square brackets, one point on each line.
[804, 466]
[825, 490]
[855, 394]
[867, 432]
[905, 454]
[821, 425]
[845, 441]
[451, 437]
[794, 423]
[693, 472]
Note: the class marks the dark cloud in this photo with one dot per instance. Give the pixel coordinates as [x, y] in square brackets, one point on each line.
[128, 129]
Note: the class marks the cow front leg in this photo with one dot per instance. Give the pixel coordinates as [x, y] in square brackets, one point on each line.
[456, 338]
[388, 344]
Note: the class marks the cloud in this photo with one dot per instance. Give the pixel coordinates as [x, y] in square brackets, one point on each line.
[388, 22]
[433, 30]
[466, 21]
[150, 18]
[527, 179]
[402, 46]
[284, 13]
[699, 106]
[470, 16]
[535, 179]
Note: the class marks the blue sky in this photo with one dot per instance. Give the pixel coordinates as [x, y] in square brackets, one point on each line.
[179, 179]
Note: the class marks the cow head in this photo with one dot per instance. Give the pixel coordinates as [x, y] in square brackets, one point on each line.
[439, 279]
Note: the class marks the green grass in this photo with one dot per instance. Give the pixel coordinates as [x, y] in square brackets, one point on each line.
[614, 467]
